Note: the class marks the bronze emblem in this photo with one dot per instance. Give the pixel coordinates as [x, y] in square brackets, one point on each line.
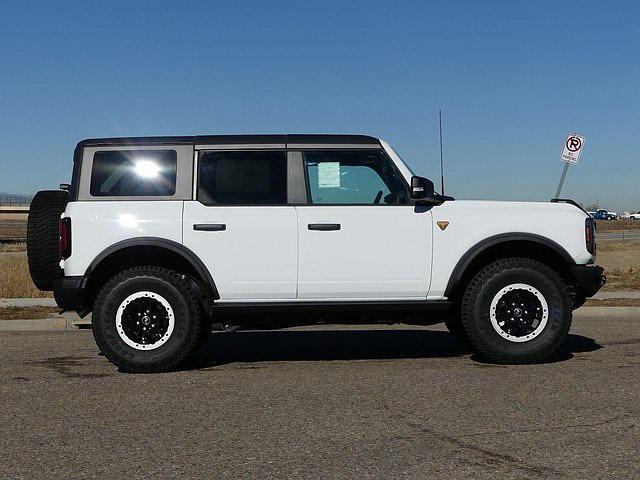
[443, 224]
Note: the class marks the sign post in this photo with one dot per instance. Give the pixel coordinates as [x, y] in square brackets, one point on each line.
[573, 146]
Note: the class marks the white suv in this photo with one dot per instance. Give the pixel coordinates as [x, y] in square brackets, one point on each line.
[165, 238]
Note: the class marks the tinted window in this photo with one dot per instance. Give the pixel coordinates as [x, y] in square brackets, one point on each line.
[134, 173]
[358, 177]
[243, 178]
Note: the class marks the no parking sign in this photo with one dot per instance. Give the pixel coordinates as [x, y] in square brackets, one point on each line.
[572, 148]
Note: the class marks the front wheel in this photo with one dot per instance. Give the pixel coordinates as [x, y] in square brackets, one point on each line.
[454, 325]
[147, 319]
[516, 310]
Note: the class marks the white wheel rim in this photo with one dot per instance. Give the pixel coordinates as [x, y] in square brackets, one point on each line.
[121, 326]
[499, 323]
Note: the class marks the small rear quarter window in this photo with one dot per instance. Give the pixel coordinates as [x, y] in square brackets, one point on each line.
[134, 173]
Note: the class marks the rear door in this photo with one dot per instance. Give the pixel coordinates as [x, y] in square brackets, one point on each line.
[359, 236]
[241, 224]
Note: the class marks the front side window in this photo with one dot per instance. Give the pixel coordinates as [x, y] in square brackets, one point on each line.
[134, 173]
[354, 177]
[242, 178]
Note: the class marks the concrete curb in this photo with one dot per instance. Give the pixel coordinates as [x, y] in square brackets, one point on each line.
[40, 324]
[27, 302]
[67, 321]
[607, 295]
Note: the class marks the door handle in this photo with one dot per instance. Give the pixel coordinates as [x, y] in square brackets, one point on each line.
[324, 227]
[210, 227]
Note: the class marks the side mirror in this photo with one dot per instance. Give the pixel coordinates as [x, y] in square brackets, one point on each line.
[422, 189]
[422, 192]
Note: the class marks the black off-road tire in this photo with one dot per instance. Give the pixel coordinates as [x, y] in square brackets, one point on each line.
[476, 319]
[205, 331]
[453, 322]
[43, 237]
[176, 289]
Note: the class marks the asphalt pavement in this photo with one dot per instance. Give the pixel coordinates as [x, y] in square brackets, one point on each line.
[380, 402]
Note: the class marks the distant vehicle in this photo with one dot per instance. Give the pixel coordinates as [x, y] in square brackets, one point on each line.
[602, 214]
[634, 216]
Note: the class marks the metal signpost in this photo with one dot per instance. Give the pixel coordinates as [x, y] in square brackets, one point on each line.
[573, 146]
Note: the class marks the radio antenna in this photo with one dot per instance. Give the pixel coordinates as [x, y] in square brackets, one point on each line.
[441, 157]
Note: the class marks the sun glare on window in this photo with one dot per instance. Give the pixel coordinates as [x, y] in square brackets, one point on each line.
[146, 168]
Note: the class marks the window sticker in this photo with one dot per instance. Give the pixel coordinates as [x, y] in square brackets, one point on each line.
[329, 175]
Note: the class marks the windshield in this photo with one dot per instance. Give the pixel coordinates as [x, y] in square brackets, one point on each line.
[397, 158]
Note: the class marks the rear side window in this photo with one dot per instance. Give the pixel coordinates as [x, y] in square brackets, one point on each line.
[243, 178]
[134, 173]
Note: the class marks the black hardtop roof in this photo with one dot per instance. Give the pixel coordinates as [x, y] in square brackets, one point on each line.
[233, 139]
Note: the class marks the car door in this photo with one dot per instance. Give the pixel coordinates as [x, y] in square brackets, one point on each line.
[241, 224]
[359, 235]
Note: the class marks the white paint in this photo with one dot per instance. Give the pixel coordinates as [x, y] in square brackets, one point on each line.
[379, 252]
[97, 225]
[472, 221]
[255, 257]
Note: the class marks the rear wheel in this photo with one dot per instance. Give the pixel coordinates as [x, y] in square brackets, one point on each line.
[147, 319]
[516, 310]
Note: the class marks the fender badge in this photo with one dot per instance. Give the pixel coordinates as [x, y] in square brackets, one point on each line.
[443, 225]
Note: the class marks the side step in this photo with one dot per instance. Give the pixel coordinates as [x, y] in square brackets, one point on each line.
[347, 306]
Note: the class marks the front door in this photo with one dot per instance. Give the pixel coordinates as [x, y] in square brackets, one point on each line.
[241, 225]
[360, 237]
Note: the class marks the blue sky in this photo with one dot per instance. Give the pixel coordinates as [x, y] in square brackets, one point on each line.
[513, 78]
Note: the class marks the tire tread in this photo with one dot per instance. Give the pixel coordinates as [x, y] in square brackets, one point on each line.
[474, 291]
[43, 242]
[178, 280]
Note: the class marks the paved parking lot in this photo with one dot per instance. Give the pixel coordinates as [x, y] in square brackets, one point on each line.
[326, 402]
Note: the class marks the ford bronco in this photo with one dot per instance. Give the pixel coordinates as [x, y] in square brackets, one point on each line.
[165, 239]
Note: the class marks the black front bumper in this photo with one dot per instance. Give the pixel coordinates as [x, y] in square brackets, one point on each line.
[588, 279]
[69, 293]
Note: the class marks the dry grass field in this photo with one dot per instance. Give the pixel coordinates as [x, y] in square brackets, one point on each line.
[621, 261]
[13, 225]
[27, 313]
[13, 229]
[15, 281]
[617, 225]
[13, 247]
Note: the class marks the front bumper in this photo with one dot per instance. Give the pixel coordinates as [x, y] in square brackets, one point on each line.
[69, 293]
[588, 279]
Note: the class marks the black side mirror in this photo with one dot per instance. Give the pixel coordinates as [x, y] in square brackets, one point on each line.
[421, 189]
[422, 192]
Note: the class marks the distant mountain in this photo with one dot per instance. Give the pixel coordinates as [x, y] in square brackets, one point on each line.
[14, 199]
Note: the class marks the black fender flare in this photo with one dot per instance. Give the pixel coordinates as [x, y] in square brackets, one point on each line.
[483, 245]
[170, 245]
